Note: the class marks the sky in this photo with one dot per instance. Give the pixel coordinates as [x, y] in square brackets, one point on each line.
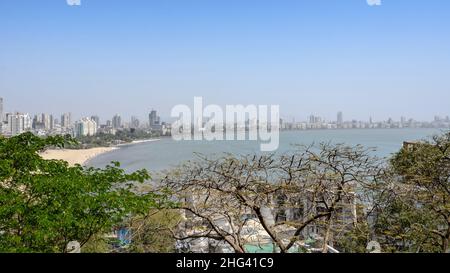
[387, 59]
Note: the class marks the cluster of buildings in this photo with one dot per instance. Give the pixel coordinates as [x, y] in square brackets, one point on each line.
[15, 123]
[89, 126]
[316, 122]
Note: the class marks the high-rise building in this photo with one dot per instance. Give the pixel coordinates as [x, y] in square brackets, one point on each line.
[27, 122]
[313, 119]
[1, 116]
[97, 120]
[7, 117]
[85, 127]
[154, 120]
[340, 119]
[15, 124]
[18, 123]
[66, 120]
[37, 123]
[403, 121]
[134, 122]
[52, 123]
[46, 120]
[116, 122]
[1, 111]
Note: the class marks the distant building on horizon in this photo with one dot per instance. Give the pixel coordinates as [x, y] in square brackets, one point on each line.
[66, 120]
[116, 122]
[18, 123]
[1, 110]
[314, 119]
[1, 115]
[85, 127]
[340, 119]
[43, 122]
[154, 121]
[97, 120]
[47, 121]
[134, 122]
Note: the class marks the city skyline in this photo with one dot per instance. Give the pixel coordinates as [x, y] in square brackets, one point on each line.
[13, 123]
[151, 114]
[325, 114]
[316, 57]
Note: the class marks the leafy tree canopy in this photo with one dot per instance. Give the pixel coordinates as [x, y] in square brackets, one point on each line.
[44, 204]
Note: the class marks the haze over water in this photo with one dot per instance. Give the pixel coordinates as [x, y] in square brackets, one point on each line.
[167, 153]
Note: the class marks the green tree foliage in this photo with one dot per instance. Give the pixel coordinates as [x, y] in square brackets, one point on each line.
[355, 240]
[44, 204]
[153, 233]
[414, 206]
[103, 139]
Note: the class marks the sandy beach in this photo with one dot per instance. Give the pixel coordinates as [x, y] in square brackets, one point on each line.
[76, 156]
[82, 156]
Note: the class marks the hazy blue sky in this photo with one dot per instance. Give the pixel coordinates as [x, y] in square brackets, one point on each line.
[317, 56]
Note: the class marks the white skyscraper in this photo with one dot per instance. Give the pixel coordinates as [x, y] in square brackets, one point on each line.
[66, 120]
[85, 127]
[47, 120]
[97, 120]
[18, 123]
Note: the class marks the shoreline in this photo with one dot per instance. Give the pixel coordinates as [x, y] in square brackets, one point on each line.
[73, 157]
[83, 156]
[134, 142]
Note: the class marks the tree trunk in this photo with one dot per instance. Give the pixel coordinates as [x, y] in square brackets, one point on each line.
[327, 234]
[445, 241]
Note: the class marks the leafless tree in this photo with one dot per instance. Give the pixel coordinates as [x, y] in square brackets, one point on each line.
[280, 195]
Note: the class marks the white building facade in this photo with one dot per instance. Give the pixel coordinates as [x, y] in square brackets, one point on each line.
[85, 127]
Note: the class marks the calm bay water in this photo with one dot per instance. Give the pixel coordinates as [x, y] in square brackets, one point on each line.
[166, 153]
